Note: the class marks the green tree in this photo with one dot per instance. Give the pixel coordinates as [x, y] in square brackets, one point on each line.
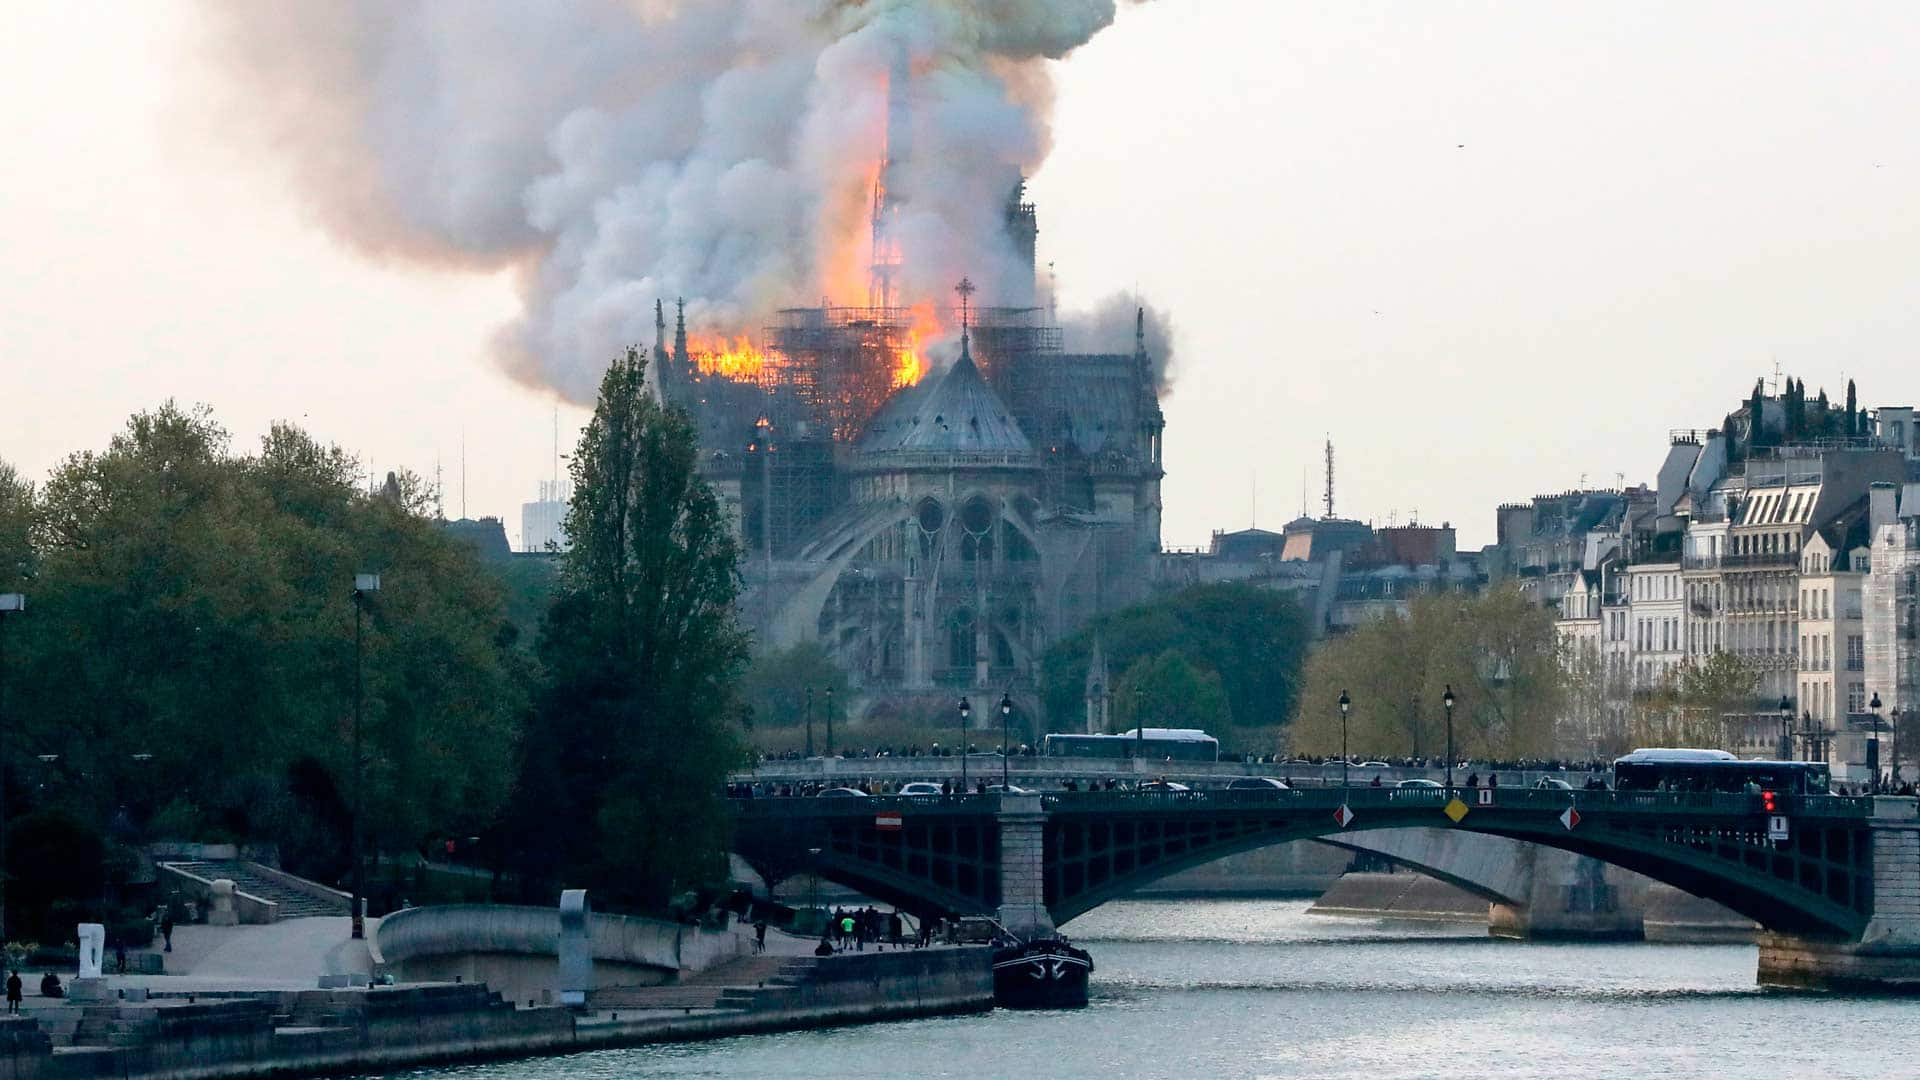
[634, 736]
[16, 529]
[775, 691]
[1498, 651]
[1853, 411]
[1168, 691]
[1254, 639]
[1706, 692]
[190, 654]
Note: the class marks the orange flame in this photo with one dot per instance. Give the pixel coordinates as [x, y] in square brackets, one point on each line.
[739, 360]
[908, 366]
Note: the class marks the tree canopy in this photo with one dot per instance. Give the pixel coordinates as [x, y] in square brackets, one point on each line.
[1498, 651]
[187, 656]
[1254, 640]
[1168, 691]
[634, 733]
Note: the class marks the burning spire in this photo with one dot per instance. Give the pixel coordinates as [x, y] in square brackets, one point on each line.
[886, 185]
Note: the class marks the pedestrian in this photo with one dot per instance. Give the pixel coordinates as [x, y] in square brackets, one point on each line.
[13, 991]
[846, 929]
[760, 935]
[166, 926]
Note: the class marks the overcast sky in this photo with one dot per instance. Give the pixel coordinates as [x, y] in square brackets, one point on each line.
[1488, 248]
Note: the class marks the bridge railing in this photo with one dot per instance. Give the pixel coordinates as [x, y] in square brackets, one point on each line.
[1706, 804]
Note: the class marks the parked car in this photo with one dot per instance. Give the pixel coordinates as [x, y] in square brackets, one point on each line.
[842, 793]
[921, 787]
[1548, 783]
[1258, 783]
[1419, 783]
[1417, 789]
[1163, 785]
[1009, 789]
[1373, 765]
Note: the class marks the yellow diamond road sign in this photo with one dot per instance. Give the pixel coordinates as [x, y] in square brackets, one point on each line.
[1455, 810]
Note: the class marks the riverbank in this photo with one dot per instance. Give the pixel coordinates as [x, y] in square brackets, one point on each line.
[203, 1036]
[1671, 916]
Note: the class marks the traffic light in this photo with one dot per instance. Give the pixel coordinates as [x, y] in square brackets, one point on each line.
[1767, 802]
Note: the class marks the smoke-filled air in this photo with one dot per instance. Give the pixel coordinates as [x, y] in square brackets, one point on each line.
[745, 155]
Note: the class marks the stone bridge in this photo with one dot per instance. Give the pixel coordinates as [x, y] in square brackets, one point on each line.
[1839, 896]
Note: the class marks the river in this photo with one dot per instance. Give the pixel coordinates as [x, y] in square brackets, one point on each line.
[1263, 989]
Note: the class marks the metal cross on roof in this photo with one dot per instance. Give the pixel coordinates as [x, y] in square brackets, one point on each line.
[966, 290]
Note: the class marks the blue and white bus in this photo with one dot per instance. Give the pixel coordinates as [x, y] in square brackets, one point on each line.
[1152, 744]
[1684, 770]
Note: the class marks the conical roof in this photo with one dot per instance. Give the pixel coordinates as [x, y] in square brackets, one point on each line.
[959, 414]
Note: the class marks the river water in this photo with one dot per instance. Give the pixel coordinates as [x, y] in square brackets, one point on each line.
[1263, 989]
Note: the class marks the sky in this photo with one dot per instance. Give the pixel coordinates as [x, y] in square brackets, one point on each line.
[1490, 250]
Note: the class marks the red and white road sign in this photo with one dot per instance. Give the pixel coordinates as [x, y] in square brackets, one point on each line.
[887, 822]
[1570, 818]
[1343, 815]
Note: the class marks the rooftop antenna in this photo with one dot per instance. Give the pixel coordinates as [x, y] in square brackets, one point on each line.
[1776, 376]
[463, 474]
[1329, 476]
[1303, 491]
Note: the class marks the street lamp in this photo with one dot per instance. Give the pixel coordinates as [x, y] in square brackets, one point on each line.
[1006, 719]
[10, 603]
[363, 586]
[1345, 704]
[829, 721]
[809, 722]
[966, 710]
[1873, 747]
[1893, 736]
[1786, 729]
[1447, 700]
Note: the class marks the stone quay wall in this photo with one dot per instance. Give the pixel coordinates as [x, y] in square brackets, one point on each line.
[321, 1032]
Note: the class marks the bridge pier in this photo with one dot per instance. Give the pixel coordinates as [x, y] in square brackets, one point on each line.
[1023, 862]
[1573, 897]
[1532, 891]
[1886, 959]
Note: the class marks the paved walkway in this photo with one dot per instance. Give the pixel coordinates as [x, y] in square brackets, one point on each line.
[289, 955]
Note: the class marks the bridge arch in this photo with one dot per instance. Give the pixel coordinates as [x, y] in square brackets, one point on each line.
[1817, 885]
[948, 852]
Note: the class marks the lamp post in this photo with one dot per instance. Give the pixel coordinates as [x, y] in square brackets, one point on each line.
[363, 586]
[1139, 723]
[1006, 719]
[966, 710]
[1893, 737]
[10, 603]
[809, 722]
[1345, 704]
[1786, 729]
[1446, 699]
[1873, 746]
[829, 721]
[1809, 742]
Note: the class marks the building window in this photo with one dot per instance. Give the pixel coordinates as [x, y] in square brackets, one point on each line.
[1856, 698]
[1856, 653]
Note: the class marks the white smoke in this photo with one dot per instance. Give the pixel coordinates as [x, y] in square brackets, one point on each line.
[1109, 327]
[620, 152]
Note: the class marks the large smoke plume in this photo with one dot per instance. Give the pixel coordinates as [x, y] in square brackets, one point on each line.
[619, 151]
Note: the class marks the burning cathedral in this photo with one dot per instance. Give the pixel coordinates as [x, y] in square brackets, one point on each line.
[936, 528]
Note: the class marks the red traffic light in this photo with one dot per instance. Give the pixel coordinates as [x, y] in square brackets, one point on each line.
[1766, 800]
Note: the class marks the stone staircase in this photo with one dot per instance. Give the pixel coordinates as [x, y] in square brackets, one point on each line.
[293, 903]
[738, 984]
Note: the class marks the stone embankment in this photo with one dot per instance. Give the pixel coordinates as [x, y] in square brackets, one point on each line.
[1671, 915]
[313, 1032]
